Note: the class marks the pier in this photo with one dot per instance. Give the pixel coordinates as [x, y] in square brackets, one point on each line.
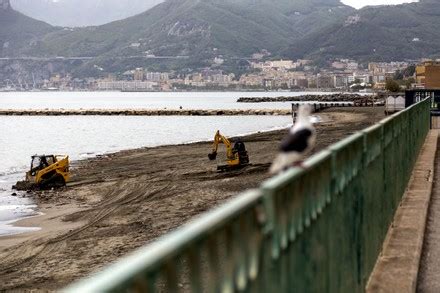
[332, 98]
[143, 112]
[318, 107]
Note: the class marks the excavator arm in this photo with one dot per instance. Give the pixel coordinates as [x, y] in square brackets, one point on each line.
[218, 139]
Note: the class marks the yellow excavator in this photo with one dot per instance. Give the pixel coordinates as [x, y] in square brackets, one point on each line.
[236, 157]
[46, 172]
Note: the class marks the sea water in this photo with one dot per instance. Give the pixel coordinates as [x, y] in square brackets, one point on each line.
[146, 100]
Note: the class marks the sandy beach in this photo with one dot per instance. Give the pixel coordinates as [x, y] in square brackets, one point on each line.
[119, 202]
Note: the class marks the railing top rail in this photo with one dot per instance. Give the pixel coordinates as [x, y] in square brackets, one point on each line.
[286, 177]
[147, 258]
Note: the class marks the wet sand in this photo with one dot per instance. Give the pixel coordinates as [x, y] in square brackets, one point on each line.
[119, 202]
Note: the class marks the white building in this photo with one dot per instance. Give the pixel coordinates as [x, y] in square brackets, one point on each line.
[156, 76]
[341, 81]
[127, 85]
[352, 66]
[276, 64]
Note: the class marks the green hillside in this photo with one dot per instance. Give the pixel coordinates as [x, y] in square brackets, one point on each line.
[18, 31]
[200, 28]
[408, 31]
[203, 29]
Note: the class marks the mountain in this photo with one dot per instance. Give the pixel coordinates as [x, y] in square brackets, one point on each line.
[407, 31]
[201, 28]
[75, 13]
[18, 31]
[190, 33]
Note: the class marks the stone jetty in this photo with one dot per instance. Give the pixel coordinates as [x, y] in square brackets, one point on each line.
[310, 98]
[318, 107]
[143, 112]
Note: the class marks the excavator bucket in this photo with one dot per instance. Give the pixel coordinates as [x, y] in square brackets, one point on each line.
[212, 156]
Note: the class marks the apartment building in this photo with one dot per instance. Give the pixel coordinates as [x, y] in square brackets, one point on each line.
[428, 75]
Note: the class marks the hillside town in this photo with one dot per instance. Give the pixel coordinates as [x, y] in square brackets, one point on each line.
[257, 74]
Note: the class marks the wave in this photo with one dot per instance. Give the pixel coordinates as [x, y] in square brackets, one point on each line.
[12, 171]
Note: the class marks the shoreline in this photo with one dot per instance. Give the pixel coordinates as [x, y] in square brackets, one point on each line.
[324, 90]
[45, 211]
[23, 222]
[49, 221]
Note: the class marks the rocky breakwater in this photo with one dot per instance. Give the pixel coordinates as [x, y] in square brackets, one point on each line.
[146, 112]
[311, 98]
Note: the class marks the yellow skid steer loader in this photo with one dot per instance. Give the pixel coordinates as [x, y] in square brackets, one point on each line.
[46, 172]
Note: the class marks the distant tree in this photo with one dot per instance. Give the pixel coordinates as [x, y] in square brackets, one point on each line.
[392, 86]
[398, 75]
[405, 73]
[409, 71]
[407, 83]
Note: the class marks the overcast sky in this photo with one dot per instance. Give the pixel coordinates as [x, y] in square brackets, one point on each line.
[362, 3]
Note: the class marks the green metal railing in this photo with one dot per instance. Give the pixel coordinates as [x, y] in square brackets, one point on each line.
[318, 229]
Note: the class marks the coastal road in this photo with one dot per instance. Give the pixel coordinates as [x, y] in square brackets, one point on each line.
[85, 58]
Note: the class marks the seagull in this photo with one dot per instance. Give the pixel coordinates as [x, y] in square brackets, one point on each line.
[300, 140]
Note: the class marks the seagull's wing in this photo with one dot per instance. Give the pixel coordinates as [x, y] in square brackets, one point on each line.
[297, 141]
[292, 149]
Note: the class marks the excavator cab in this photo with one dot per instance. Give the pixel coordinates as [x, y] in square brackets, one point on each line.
[236, 156]
[240, 149]
[48, 171]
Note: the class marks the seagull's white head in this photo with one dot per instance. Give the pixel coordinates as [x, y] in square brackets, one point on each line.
[304, 111]
[304, 117]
